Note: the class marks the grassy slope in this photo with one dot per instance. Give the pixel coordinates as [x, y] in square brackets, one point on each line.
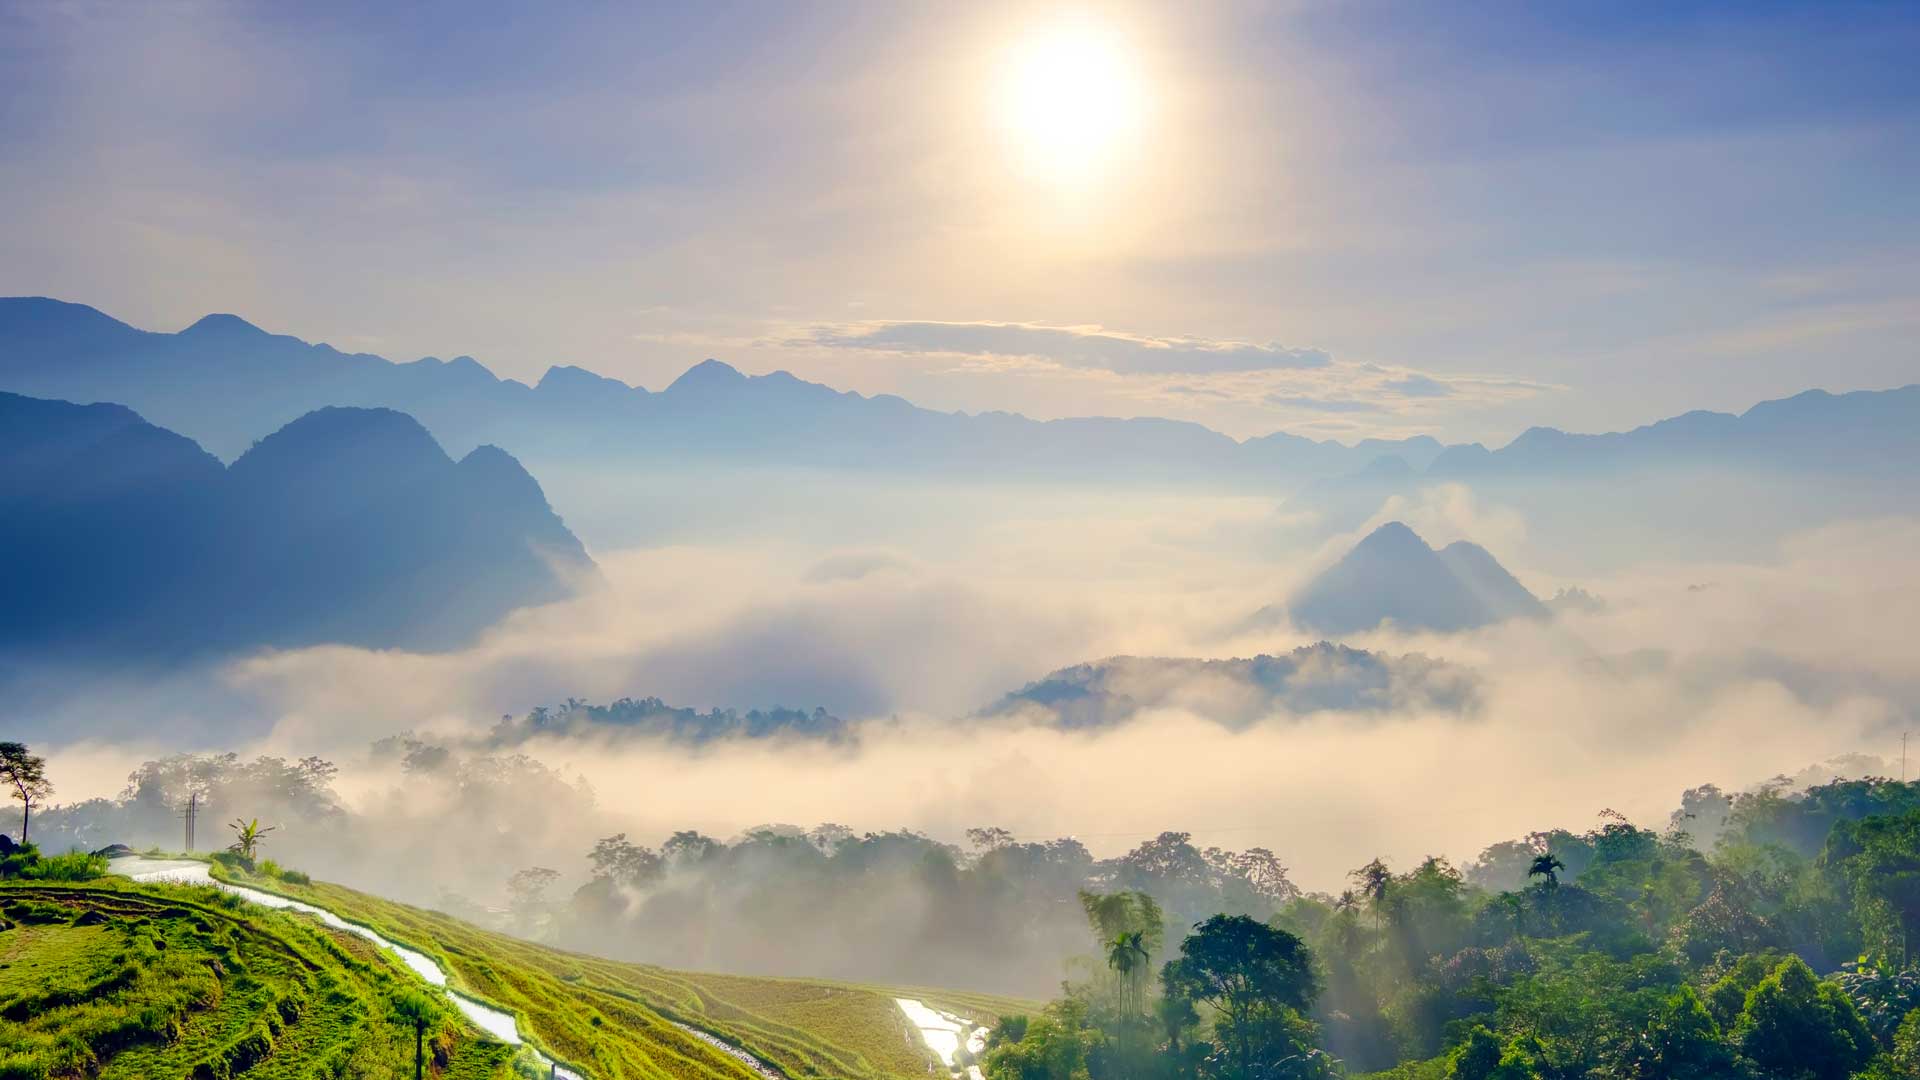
[614, 1018]
[112, 979]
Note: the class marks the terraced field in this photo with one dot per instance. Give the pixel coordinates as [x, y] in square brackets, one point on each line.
[624, 1020]
[112, 980]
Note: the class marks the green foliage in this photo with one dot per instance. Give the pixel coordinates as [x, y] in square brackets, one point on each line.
[1685, 1043]
[1054, 1045]
[27, 864]
[248, 835]
[1795, 1025]
[1476, 1058]
[157, 982]
[72, 866]
[1482, 1057]
[1008, 1029]
[1257, 982]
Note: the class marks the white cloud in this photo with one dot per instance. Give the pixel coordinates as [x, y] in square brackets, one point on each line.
[1070, 346]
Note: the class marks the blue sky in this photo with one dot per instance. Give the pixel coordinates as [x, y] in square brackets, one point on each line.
[1343, 219]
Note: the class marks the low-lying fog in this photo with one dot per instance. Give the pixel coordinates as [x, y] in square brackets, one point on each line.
[1686, 673]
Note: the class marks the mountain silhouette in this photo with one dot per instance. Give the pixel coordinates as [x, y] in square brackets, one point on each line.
[223, 382]
[120, 538]
[1393, 576]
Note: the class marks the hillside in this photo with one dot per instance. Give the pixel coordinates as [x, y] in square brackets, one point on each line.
[618, 1019]
[347, 525]
[113, 980]
[1241, 692]
[116, 979]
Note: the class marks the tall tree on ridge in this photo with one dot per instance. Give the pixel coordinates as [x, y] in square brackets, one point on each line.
[26, 774]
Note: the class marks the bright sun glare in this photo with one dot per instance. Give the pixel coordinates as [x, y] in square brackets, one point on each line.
[1072, 99]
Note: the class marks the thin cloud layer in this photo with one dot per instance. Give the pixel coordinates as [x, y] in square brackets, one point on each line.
[1079, 347]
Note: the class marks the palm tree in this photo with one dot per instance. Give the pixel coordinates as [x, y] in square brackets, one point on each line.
[1375, 881]
[418, 1009]
[1346, 923]
[250, 835]
[1127, 955]
[1546, 865]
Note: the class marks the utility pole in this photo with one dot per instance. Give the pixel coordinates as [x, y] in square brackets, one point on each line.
[193, 811]
[1903, 756]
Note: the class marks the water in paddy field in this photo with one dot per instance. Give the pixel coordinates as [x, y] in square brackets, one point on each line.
[944, 1034]
[498, 1024]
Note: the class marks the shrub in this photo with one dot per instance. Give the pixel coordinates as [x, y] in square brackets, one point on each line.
[73, 866]
[269, 868]
[295, 877]
[233, 860]
[21, 1067]
[16, 864]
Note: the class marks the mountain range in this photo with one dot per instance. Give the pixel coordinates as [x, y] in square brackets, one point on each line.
[119, 538]
[224, 382]
[1393, 576]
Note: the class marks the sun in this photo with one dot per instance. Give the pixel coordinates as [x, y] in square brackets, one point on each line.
[1072, 101]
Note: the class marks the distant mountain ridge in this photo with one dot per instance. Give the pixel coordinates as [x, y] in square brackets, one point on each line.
[120, 538]
[1392, 575]
[225, 382]
[1860, 430]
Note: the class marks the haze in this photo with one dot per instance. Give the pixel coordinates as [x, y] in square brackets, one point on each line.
[1325, 430]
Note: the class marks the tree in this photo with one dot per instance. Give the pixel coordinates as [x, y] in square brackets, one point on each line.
[1546, 865]
[1684, 1043]
[249, 835]
[1797, 1026]
[1112, 914]
[1374, 879]
[1476, 1058]
[1052, 1046]
[622, 862]
[989, 837]
[687, 848]
[527, 891]
[26, 774]
[1127, 955]
[1255, 978]
[417, 1009]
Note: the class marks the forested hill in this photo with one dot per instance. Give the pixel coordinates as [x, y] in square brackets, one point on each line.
[1764, 935]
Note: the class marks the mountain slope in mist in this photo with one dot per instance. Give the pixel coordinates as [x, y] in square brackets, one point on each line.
[1240, 692]
[119, 538]
[1393, 576]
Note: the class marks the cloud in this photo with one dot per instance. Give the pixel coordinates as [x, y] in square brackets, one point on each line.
[1332, 405]
[1078, 347]
[1793, 660]
[1421, 386]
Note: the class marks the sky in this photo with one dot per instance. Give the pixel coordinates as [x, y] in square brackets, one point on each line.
[1340, 219]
